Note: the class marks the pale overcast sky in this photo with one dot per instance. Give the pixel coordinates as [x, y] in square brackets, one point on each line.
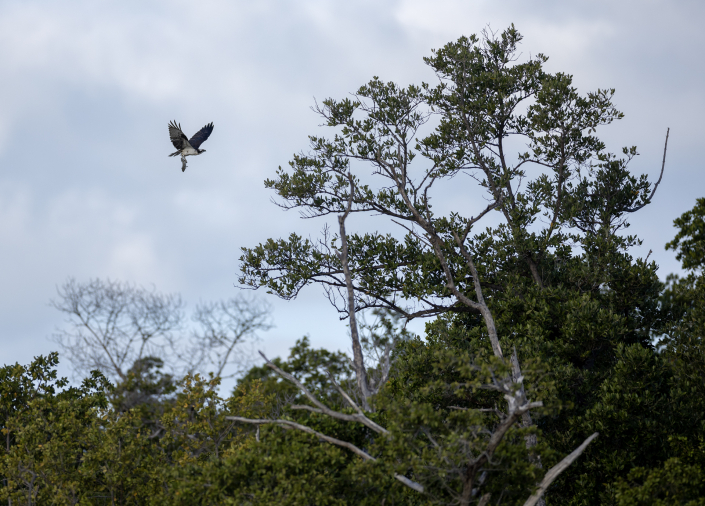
[87, 89]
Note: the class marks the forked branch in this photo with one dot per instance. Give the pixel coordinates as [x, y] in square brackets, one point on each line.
[322, 408]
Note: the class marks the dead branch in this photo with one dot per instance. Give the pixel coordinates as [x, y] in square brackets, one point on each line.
[653, 192]
[322, 408]
[553, 473]
[344, 394]
[338, 442]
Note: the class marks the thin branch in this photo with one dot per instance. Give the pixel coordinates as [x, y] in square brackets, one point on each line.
[328, 439]
[481, 410]
[386, 365]
[361, 418]
[663, 166]
[414, 233]
[304, 428]
[345, 395]
[504, 426]
[477, 218]
[492, 445]
[553, 473]
[486, 313]
[306, 407]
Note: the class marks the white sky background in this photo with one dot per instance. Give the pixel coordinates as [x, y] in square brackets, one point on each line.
[87, 89]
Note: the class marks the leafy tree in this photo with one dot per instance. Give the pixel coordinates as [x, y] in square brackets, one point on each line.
[553, 281]
[66, 445]
[144, 386]
[45, 427]
[690, 239]
[675, 475]
[675, 483]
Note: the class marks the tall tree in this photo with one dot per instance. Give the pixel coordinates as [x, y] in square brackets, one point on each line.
[528, 139]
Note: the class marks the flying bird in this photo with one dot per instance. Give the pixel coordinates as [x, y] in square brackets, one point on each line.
[185, 146]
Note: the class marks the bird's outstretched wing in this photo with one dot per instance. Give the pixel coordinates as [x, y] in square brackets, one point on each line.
[177, 136]
[201, 136]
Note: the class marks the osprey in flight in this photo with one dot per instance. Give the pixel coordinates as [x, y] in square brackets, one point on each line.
[185, 146]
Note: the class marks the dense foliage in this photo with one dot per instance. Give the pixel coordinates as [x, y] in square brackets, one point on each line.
[604, 345]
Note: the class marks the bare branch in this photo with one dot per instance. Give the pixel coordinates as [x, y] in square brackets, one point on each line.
[414, 233]
[486, 313]
[553, 473]
[308, 430]
[361, 418]
[484, 499]
[477, 218]
[505, 425]
[653, 192]
[409, 483]
[328, 439]
[344, 394]
[495, 440]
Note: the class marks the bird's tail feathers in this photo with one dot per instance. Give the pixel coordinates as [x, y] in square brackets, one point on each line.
[175, 153]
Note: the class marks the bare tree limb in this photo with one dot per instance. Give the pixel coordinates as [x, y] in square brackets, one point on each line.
[477, 218]
[361, 418]
[517, 377]
[303, 428]
[495, 440]
[505, 425]
[486, 313]
[653, 192]
[328, 439]
[414, 233]
[344, 394]
[553, 473]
